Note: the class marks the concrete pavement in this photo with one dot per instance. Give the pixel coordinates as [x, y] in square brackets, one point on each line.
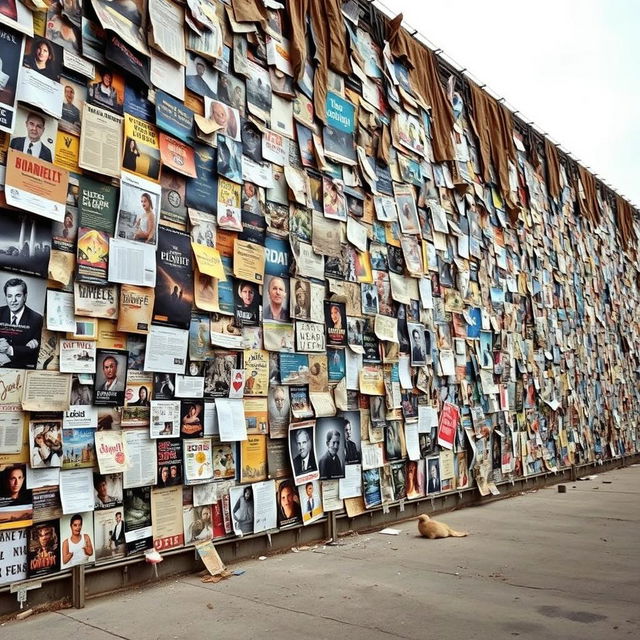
[541, 565]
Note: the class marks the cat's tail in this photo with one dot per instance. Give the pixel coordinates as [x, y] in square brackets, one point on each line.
[458, 534]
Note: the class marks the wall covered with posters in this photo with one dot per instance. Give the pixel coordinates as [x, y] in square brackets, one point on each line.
[260, 264]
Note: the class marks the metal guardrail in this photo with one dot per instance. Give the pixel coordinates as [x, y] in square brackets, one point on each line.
[71, 588]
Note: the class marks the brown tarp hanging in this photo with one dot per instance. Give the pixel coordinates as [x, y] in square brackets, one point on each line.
[480, 122]
[425, 81]
[553, 169]
[329, 39]
[250, 11]
[494, 128]
[624, 221]
[296, 12]
[589, 203]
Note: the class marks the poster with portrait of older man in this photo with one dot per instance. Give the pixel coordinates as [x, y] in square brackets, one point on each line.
[21, 312]
[329, 442]
[111, 377]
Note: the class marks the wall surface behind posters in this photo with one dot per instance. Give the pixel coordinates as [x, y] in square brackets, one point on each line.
[260, 266]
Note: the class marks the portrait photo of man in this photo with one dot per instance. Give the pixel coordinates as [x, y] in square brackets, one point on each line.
[330, 464]
[111, 377]
[117, 539]
[196, 77]
[20, 325]
[433, 486]
[70, 112]
[352, 453]
[302, 453]
[416, 339]
[32, 144]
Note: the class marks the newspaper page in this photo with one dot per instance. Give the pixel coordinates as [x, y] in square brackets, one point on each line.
[264, 506]
[140, 452]
[76, 490]
[100, 141]
[46, 391]
[166, 350]
[166, 518]
[129, 25]
[167, 20]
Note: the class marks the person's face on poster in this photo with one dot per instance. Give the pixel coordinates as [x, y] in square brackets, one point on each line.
[35, 127]
[334, 444]
[16, 480]
[16, 298]
[110, 369]
[247, 294]
[277, 291]
[304, 444]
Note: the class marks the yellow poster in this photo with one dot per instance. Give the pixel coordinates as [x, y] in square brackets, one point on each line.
[208, 260]
[67, 150]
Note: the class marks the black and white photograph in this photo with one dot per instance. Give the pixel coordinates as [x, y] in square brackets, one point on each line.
[258, 90]
[377, 409]
[230, 158]
[352, 437]
[242, 510]
[21, 320]
[355, 328]
[301, 299]
[418, 344]
[139, 210]
[251, 141]
[217, 374]
[111, 377]
[330, 447]
[302, 451]
[279, 408]
[25, 243]
[393, 436]
[433, 475]
[369, 297]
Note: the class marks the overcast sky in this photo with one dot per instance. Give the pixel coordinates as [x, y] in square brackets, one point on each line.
[571, 66]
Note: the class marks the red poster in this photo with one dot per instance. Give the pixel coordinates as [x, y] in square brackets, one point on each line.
[449, 418]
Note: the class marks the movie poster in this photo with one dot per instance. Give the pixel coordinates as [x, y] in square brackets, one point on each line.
[21, 320]
[25, 242]
[111, 377]
[169, 453]
[137, 519]
[174, 284]
[43, 552]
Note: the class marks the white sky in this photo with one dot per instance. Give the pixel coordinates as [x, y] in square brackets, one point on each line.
[571, 66]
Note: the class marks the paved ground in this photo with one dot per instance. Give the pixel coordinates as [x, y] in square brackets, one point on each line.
[542, 565]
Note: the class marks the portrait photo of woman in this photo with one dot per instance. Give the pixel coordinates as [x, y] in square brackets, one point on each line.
[43, 58]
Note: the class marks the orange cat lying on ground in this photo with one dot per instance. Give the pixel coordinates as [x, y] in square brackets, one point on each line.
[432, 529]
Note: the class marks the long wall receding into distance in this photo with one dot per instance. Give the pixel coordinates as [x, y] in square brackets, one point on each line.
[265, 269]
